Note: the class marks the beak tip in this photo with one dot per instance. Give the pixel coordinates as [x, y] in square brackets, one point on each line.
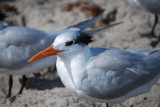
[29, 60]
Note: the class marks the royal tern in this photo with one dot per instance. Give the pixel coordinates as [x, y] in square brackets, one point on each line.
[18, 44]
[152, 6]
[102, 74]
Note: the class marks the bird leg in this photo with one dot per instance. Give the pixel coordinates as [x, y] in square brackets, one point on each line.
[152, 33]
[154, 25]
[24, 80]
[155, 43]
[10, 86]
[107, 105]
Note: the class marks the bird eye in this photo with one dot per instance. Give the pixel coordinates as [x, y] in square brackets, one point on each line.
[68, 43]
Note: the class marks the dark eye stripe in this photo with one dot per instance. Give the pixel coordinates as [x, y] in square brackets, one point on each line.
[68, 43]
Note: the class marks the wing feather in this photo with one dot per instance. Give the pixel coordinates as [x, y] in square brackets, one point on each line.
[115, 59]
[114, 70]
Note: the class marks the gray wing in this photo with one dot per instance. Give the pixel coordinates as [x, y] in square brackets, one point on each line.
[116, 59]
[95, 51]
[114, 73]
[19, 44]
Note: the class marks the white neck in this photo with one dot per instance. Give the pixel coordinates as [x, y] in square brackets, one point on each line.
[71, 68]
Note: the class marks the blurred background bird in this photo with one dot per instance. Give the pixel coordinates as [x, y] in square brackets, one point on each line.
[151, 6]
[14, 43]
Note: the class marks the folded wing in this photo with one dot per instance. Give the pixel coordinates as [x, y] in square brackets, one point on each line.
[123, 70]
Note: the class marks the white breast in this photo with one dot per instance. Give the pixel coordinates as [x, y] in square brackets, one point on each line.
[64, 75]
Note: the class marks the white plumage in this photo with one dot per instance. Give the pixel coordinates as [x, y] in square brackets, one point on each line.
[105, 74]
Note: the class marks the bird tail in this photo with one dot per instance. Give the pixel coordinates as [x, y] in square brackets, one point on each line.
[152, 63]
[153, 60]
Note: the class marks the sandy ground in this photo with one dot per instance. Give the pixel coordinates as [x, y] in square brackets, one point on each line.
[45, 88]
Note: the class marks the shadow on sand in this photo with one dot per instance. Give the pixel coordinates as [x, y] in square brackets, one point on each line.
[42, 84]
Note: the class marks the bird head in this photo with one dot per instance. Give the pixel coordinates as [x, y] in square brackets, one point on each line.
[65, 44]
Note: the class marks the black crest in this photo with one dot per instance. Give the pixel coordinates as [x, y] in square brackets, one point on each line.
[84, 38]
[2, 16]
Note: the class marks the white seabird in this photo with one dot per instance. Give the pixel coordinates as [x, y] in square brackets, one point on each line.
[102, 74]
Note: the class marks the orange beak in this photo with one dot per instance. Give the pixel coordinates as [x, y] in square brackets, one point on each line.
[45, 53]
